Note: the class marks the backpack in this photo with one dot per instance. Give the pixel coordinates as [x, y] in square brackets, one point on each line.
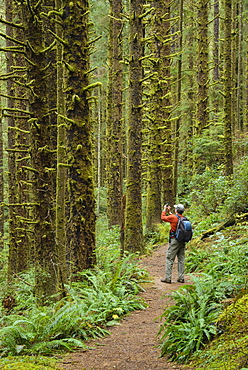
[184, 230]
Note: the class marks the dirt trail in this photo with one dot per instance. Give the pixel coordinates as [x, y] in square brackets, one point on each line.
[132, 345]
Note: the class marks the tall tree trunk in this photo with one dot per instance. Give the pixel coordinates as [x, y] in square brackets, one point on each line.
[61, 179]
[18, 144]
[12, 189]
[216, 71]
[160, 171]
[202, 114]
[99, 129]
[228, 88]
[240, 117]
[188, 80]
[202, 103]
[216, 60]
[1, 180]
[114, 136]
[133, 217]
[233, 51]
[81, 228]
[41, 157]
[178, 98]
[3, 103]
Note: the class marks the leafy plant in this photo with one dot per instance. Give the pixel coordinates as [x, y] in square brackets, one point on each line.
[211, 192]
[97, 300]
[196, 259]
[237, 199]
[189, 324]
[229, 349]
[207, 191]
[225, 259]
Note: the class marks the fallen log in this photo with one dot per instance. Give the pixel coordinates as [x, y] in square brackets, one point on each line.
[233, 220]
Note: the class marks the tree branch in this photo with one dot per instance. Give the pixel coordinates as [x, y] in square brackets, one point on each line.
[11, 24]
[12, 39]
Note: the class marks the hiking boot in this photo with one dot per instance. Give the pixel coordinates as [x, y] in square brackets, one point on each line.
[166, 281]
[180, 280]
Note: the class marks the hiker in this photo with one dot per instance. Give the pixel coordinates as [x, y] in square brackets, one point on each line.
[176, 248]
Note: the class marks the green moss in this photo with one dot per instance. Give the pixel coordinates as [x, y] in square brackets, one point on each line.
[25, 366]
[234, 314]
[27, 363]
[229, 351]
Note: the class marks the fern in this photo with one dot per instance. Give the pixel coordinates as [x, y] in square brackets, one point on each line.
[97, 300]
[189, 324]
[48, 348]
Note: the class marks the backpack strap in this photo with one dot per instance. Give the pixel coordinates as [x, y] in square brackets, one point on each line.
[173, 233]
[179, 219]
[177, 223]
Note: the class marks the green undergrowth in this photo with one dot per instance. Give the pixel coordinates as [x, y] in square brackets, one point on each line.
[207, 325]
[225, 256]
[27, 363]
[97, 300]
[229, 351]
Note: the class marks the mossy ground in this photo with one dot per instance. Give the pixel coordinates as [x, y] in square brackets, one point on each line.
[229, 350]
[27, 363]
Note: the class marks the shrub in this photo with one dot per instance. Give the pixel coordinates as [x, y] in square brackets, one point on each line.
[237, 198]
[190, 323]
[98, 299]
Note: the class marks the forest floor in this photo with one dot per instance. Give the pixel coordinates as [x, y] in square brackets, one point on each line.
[133, 345]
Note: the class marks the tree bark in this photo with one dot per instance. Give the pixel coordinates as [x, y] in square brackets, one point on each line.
[81, 228]
[133, 217]
[18, 144]
[41, 155]
[228, 89]
[160, 169]
[178, 99]
[114, 136]
[61, 178]
[202, 114]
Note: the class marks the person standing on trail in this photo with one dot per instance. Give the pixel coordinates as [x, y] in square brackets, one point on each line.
[176, 248]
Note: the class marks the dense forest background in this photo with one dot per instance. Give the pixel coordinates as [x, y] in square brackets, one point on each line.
[115, 108]
[109, 110]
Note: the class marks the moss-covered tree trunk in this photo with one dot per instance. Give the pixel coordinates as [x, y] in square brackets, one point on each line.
[12, 190]
[1, 182]
[202, 113]
[233, 52]
[61, 179]
[178, 99]
[41, 154]
[216, 61]
[18, 147]
[188, 80]
[160, 170]
[114, 131]
[81, 227]
[228, 88]
[202, 65]
[240, 67]
[133, 217]
[216, 52]
[2, 104]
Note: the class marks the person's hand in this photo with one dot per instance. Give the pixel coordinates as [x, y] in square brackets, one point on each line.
[167, 208]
